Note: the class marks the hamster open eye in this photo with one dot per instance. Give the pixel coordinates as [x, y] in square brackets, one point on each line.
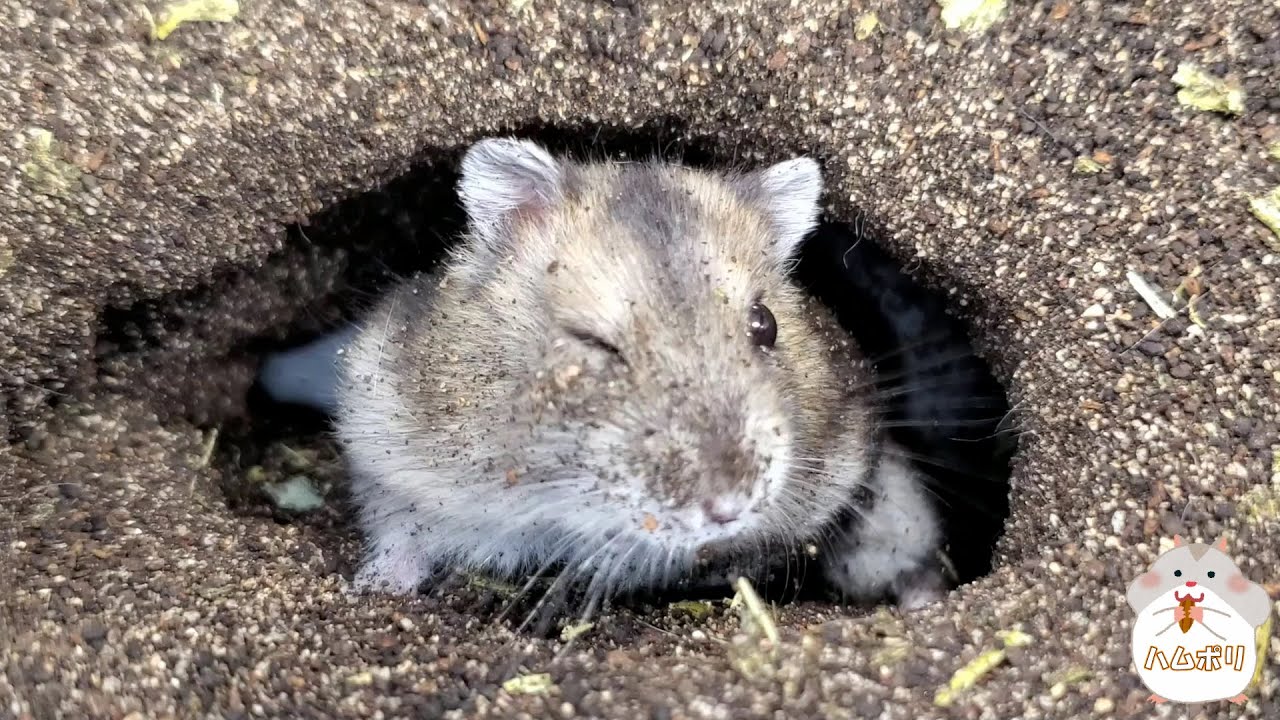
[762, 327]
[1177, 573]
[1211, 573]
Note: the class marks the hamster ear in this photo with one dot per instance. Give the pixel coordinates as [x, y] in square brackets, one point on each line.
[1177, 541]
[790, 192]
[501, 177]
[1221, 543]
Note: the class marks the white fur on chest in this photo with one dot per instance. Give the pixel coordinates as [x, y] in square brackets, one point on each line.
[893, 545]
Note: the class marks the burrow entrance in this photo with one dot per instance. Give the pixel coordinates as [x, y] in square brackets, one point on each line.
[194, 354]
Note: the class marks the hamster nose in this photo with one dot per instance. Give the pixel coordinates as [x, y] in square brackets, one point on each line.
[1191, 583]
[721, 511]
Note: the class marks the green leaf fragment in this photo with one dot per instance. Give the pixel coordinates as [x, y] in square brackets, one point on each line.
[971, 16]
[894, 651]
[534, 684]
[696, 609]
[490, 584]
[572, 631]
[45, 168]
[1206, 92]
[194, 11]
[1072, 675]
[296, 494]
[1267, 209]
[1086, 165]
[6, 257]
[866, 25]
[360, 679]
[1260, 504]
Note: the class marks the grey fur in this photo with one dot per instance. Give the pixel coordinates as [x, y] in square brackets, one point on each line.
[578, 383]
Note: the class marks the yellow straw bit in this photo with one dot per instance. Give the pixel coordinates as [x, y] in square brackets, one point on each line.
[1263, 638]
[1086, 165]
[194, 11]
[571, 632]
[756, 619]
[1267, 209]
[969, 675]
[754, 652]
[1203, 91]
[866, 25]
[535, 684]
[971, 16]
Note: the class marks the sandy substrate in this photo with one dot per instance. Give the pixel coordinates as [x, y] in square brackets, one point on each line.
[136, 170]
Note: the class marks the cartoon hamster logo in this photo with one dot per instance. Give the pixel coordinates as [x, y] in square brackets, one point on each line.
[1193, 640]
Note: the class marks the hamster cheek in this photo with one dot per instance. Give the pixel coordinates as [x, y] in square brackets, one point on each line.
[1238, 583]
[1149, 580]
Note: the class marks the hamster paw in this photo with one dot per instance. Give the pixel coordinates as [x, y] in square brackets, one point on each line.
[915, 590]
[391, 571]
[1239, 699]
[307, 375]
[1156, 699]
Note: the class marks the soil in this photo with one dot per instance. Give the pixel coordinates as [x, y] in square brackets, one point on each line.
[149, 253]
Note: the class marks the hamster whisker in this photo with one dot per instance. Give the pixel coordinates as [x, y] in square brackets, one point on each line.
[934, 362]
[893, 391]
[937, 337]
[937, 462]
[950, 495]
[1007, 433]
[811, 464]
[951, 498]
[597, 588]
[974, 422]
[456, 408]
[573, 569]
[973, 402]
[553, 557]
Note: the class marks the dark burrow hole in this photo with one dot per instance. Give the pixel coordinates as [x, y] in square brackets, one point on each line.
[194, 355]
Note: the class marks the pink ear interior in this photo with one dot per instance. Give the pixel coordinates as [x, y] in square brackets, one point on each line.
[1177, 541]
[1221, 544]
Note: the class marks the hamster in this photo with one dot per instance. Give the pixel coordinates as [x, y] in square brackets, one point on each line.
[615, 373]
[941, 402]
[1193, 640]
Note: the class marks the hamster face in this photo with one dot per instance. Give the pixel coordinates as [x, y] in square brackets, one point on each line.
[683, 337]
[646, 358]
[1188, 570]
[1182, 571]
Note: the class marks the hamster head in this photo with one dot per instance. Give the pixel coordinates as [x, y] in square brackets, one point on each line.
[1189, 569]
[659, 360]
